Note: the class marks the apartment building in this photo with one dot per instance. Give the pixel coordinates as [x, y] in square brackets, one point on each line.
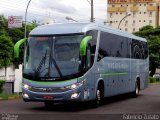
[130, 15]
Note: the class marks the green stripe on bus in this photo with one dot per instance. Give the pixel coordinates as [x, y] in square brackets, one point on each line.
[49, 82]
[112, 74]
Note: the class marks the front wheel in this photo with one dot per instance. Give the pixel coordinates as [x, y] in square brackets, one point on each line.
[98, 99]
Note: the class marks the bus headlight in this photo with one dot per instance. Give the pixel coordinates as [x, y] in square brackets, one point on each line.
[25, 86]
[25, 96]
[74, 86]
[74, 95]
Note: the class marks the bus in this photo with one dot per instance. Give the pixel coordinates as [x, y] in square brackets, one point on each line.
[78, 62]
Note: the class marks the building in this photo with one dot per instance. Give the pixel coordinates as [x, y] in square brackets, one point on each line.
[130, 15]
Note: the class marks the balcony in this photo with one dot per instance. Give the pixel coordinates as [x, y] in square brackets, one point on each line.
[134, 9]
[122, 9]
[111, 9]
[151, 8]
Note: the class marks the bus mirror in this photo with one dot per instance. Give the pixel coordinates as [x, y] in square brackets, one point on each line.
[83, 45]
[17, 47]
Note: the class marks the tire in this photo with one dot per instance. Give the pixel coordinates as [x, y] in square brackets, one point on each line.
[136, 91]
[97, 101]
[48, 104]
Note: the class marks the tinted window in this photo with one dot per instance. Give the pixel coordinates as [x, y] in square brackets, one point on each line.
[114, 46]
[139, 49]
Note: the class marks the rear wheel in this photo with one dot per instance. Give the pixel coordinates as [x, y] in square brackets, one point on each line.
[137, 89]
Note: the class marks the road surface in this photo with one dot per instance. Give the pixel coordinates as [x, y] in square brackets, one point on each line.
[148, 102]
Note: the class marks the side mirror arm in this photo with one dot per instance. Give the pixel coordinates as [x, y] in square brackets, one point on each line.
[83, 45]
[17, 46]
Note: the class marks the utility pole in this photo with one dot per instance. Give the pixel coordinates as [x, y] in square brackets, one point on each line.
[25, 28]
[92, 12]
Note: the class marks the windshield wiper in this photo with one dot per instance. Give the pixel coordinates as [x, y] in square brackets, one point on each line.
[37, 71]
[56, 66]
[52, 60]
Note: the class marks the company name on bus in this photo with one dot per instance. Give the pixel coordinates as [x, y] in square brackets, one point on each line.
[129, 1]
[117, 65]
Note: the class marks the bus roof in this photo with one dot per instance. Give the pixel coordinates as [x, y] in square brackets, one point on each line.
[72, 28]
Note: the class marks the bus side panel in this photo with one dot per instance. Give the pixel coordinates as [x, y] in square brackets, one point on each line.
[139, 70]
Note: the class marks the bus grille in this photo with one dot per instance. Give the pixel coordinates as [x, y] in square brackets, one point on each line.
[49, 90]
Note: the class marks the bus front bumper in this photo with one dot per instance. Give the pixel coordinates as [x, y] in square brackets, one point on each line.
[73, 95]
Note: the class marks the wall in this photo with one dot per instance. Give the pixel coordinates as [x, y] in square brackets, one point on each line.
[18, 80]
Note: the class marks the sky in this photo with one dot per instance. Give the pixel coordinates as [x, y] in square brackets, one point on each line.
[55, 9]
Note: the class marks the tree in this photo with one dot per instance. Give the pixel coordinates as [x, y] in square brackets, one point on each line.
[3, 25]
[6, 51]
[8, 37]
[153, 37]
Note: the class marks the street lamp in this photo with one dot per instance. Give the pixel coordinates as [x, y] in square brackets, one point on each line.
[69, 18]
[128, 14]
[25, 29]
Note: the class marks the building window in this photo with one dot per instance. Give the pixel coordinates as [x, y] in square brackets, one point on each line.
[144, 21]
[126, 29]
[126, 22]
[134, 13]
[134, 29]
[150, 14]
[111, 15]
[139, 4]
[144, 4]
[139, 20]
[144, 12]
[134, 22]
[139, 12]
[113, 5]
[151, 4]
[150, 21]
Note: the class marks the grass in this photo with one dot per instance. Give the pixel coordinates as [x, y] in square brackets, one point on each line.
[154, 83]
[9, 96]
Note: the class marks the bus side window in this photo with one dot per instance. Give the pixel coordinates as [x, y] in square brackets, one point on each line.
[103, 46]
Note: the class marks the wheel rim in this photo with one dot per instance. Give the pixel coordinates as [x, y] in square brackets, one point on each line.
[137, 90]
[98, 97]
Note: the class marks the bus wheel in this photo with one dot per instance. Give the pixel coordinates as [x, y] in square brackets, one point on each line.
[98, 99]
[48, 104]
[137, 89]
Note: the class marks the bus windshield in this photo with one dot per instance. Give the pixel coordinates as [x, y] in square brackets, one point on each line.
[53, 58]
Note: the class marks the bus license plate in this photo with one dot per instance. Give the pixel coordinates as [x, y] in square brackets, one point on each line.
[47, 97]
